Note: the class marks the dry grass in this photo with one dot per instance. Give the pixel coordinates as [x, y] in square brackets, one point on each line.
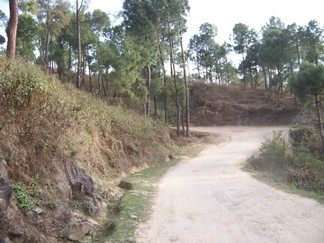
[236, 105]
[42, 120]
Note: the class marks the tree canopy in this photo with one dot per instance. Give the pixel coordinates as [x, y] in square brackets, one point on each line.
[308, 85]
[140, 56]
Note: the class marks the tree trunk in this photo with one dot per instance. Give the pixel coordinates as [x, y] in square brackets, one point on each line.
[175, 84]
[61, 60]
[244, 70]
[90, 80]
[106, 77]
[256, 78]
[165, 84]
[155, 106]
[78, 10]
[298, 52]
[183, 122]
[320, 122]
[265, 78]
[251, 77]
[187, 116]
[103, 85]
[12, 29]
[47, 43]
[70, 64]
[99, 78]
[148, 86]
[83, 65]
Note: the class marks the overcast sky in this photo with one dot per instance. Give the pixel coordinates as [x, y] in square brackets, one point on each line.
[226, 13]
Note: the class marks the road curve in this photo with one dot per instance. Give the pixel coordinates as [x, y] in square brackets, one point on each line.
[210, 199]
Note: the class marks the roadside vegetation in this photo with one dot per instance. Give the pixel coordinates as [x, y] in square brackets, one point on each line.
[135, 205]
[294, 163]
[94, 95]
[40, 112]
[45, 123]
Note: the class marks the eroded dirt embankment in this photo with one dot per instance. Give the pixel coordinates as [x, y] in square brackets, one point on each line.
[214, 105]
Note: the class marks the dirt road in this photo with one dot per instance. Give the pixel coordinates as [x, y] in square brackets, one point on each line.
[210, 199]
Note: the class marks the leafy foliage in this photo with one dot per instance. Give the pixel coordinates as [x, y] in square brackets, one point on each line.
[24, 201]
[295, 165]
[272, 155]
[19, 84]
[2, 40]
[309, 81]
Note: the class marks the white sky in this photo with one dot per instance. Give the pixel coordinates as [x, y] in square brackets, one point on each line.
[226, 13]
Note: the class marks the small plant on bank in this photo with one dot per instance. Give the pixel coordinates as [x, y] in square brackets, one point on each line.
[24, 202]
[108, 227]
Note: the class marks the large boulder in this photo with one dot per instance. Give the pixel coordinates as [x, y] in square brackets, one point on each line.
[83, 189]
[78, 227]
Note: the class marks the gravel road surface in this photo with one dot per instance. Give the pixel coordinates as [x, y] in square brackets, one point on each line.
[210, 199]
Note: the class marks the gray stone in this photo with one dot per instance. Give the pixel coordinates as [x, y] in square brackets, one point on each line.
[5, 196]
[15, 231]
[38, 210]
[125, 185]
[83, 189]
[76, 229]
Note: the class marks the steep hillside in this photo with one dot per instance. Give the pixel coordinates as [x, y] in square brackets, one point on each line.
[62, 154]
[234, 105]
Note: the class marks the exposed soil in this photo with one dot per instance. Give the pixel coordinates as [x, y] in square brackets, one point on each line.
[210, 199]
[235, 105]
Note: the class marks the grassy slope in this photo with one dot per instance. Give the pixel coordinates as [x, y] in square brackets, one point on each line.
[42, 119]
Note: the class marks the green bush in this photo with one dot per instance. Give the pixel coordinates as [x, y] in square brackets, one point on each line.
[296, 165]
[20, 83]
[305, 137]
[273, 155]
[306, 170]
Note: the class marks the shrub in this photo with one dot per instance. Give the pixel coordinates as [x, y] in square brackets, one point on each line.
[30, 102]
[297, 165]
[273, 155]
[305, 137]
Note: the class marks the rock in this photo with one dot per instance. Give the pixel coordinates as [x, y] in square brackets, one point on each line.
[62, 183]
[76, 229]
[5, 196]
[133, 217]
[83, 189]
[15, 232]
[38, 210]
[125, 185]
[47, 239]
